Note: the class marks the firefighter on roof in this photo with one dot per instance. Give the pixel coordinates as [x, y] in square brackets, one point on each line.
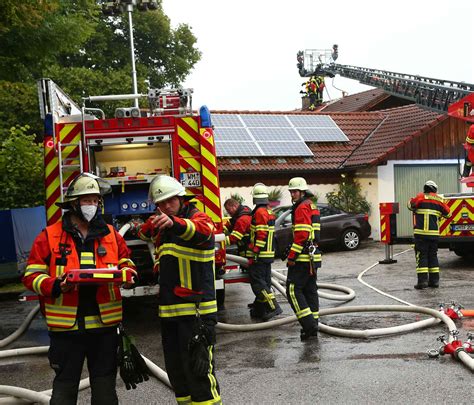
[238, 229]
[469, 147]
[304, 258]
[82, 321]
[261, 253]
[427, 208]
[184, 258]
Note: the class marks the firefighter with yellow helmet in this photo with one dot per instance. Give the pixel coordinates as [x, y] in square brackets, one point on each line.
[82, 321]
[304, 258]
[184, 258]
[261, 253]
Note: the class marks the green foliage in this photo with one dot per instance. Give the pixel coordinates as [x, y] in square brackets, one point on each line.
[275, 194]
[237, 197]
[21, 169]
[348, 198]
[85, 53]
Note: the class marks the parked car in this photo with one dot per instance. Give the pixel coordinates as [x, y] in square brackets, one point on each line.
[338, 228]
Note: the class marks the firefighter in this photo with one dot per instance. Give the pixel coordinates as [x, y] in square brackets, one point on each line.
[312, 91]
[304, 258]
[238, 229]
[184, 258]
[82, 321]
[427, 208]
[469, 147]
[261, 253]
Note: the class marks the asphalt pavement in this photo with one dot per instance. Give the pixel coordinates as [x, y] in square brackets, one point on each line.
[274, 367]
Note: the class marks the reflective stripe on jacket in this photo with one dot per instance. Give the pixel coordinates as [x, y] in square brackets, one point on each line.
[427, 209]
[262, 229]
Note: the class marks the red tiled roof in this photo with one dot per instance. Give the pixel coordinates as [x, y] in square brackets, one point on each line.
[356, 102]
[399, 126]
[372, 136]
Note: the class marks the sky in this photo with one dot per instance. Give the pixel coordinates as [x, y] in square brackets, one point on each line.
[249, 46]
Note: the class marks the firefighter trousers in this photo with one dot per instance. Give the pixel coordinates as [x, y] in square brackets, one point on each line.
[66, 355]
[176, 333]
[302, 293]
[426, 251]
[261, 281]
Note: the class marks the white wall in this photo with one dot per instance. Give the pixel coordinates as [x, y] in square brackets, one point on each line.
[368, 181]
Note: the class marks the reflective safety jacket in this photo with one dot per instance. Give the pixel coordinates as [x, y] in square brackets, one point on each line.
[53, 253]
[306, 229]
[239, 229]
[427, 209]
[184, 255]
[262, 228]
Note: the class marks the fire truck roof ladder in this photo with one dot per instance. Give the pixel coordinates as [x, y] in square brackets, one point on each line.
[70, 162]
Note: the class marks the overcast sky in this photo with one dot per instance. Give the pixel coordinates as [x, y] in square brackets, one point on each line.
[249, 46]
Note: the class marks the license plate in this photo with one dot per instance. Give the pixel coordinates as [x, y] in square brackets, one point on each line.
[463, 227]
[191, 179]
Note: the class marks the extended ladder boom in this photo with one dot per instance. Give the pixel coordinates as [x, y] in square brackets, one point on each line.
[434, 94]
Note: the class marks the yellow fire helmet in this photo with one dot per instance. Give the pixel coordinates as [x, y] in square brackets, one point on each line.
[164, 187]
[298, 183]
[84, 184]
[259, 191]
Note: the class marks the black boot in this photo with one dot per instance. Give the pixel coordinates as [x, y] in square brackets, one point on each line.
[270, 313]
[310, 334]
[422, 281]
[64, 393]
[433, 280]
[257, 310]
[103, 390]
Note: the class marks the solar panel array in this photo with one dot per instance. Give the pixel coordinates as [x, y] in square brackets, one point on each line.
[241, 135]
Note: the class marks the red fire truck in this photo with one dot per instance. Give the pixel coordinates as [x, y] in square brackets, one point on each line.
[129, 150]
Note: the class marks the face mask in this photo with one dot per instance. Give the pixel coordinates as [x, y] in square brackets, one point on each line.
[88, 211]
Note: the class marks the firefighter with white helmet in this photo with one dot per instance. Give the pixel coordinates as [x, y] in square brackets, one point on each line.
[184, 259]
[82, 321]
[427, 208]
[304, 258]
[261, 253]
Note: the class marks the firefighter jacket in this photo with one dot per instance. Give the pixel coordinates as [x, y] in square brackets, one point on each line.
[239, 229]
[54, 252]
[306, 231]
[427, 209]
[262, 228]
[184, 255]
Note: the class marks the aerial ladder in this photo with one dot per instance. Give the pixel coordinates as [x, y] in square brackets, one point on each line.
[433, 94]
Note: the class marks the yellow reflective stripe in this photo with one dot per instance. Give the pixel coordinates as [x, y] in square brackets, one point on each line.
[37, 283]
[316, 227]
[110, 306]
[316, 315]
[303, 313]
[297, 248]
[426, 232]
[268, 299]
[261, 228]
[190, 230]
[427, 211]
[212, 379]
[185, 273]
[303, 227]
[184, 400]
[433, 270]
[307, 258]
[293, 298]
[237, 235]
[59, 309]
[93, 321]
[87, 258]
[185, 252]
[260, 243]
[263, 254]
[36, 268]
[422, 269]
[166, 311]
[214, 401]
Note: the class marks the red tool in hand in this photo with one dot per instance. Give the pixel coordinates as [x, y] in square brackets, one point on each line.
[98, 276]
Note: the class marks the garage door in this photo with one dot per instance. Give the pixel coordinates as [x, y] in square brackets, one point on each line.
[409, 180]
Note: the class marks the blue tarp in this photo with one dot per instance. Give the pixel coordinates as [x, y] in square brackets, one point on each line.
[19, 226]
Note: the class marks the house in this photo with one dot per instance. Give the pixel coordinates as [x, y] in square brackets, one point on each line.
[392, 148]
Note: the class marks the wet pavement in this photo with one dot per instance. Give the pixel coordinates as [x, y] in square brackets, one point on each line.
[275, 367]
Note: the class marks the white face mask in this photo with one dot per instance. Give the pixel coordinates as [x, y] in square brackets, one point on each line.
[88, 211]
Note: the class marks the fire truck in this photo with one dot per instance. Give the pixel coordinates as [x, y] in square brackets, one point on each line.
[129, 150]
[442, 96]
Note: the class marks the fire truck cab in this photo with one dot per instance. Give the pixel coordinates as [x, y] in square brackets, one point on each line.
[129, 150]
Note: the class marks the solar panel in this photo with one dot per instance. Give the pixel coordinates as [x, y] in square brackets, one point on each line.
[322, 134]
[311, 121]
[265, 121]
[240, 149]
[275, 134]
[285, 149]
[226, 120]
[232, 134]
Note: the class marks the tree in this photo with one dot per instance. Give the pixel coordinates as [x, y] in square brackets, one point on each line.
[348, 198]
[21, 169]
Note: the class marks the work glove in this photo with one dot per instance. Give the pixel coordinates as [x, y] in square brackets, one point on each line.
[199, 348]
[133, 369]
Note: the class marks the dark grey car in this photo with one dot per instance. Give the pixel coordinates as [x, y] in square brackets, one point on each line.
[338, 228]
